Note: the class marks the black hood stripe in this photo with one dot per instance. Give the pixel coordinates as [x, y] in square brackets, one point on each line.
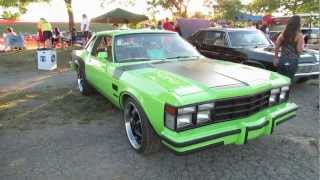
[120, 70]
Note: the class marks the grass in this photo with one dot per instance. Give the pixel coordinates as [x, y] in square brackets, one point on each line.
[30, 28]
[49, 105]
[26, 110]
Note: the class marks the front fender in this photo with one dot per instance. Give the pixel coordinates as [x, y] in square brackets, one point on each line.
[152, 107]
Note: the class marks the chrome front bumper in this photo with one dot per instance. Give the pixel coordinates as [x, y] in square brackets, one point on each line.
[308, 69]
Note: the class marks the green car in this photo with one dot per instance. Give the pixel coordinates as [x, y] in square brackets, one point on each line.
[170, 94]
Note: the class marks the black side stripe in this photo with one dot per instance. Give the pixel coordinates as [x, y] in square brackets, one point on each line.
[200, 140]
[220, 143]
[252, 128]
[121, 69]
[279, 116]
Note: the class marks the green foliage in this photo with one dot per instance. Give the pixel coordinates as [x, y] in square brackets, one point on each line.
[287, 6]
[10, 15]
[262, 6]
[30, 28]
[177, 7]
[226, 9]
[18, 5]
[300, 6]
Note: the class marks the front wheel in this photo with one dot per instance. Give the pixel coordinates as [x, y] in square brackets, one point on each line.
[83, 85]
[141, 136]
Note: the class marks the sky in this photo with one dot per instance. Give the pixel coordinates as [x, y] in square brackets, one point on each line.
[55, 11]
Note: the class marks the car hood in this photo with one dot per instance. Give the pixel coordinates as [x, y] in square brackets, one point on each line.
[186, 77]
[267, 55]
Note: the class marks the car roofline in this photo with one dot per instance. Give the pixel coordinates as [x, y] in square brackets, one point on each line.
[133, 31]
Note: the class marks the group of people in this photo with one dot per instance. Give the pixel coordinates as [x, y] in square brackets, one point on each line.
[49, 37]
[12, 40]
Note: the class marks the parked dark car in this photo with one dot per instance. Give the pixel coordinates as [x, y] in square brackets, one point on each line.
[248, 46]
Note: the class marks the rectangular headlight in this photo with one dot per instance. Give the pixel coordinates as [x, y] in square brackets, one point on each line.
[284, 93]
[275, 91]
[203, 116]
[206, 106]
[187, 110]
[184, 120]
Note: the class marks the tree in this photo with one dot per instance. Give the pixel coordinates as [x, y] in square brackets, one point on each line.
[225, 9]
[177, 7]
[199, 15]
[22, 4]
[118, 2]
[16, 5]
[288, 6]
[263, 6]
[10, 15]
[68, 4]
[300, 6]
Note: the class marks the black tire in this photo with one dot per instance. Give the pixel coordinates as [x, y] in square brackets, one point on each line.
[83, 85]
[148, 142]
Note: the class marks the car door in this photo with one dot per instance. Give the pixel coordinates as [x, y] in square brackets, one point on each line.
[98, 70]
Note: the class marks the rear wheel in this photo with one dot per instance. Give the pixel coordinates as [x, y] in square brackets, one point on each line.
[141, 136]
[83, 85]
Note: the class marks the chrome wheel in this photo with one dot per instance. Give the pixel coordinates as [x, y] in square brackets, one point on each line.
[133, 125]
[80, 84]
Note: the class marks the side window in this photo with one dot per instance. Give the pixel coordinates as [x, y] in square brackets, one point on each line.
[103, 44]
[215, 38]
[200, 36]
[89, 43]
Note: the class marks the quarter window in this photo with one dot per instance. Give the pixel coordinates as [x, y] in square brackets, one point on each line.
[215, 39]
[103, 44]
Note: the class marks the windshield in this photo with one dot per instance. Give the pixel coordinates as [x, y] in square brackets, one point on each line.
[248, 38]
[152, 46]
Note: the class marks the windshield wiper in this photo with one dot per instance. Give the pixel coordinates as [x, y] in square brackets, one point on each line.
[181, 57]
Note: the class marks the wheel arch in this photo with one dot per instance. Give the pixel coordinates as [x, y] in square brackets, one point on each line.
[140, 100]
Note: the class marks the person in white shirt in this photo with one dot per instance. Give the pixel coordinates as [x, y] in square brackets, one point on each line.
[85, 28]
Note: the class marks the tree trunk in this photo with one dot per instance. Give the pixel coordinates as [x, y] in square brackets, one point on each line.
[71, 19]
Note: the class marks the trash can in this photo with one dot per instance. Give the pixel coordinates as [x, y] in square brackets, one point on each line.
[46, 59]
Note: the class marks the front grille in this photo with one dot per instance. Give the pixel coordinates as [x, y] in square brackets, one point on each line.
[308, 68]
[239, 107]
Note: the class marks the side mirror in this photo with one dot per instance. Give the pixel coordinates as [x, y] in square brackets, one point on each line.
[103, 55]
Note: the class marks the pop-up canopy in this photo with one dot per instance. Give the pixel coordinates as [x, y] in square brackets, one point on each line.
[119, 16]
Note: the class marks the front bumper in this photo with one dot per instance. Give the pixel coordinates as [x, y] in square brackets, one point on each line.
[230, 132]
[307, 69]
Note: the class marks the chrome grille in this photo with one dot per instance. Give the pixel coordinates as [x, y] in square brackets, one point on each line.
[239, 107]
[308, 68]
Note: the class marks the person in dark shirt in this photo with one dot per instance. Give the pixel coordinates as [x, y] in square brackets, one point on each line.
[291, 42]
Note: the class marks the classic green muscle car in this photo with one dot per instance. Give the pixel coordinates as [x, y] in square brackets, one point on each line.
[170, 94]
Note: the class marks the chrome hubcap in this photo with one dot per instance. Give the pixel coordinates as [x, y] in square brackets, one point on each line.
[80, 84]
[133, 125]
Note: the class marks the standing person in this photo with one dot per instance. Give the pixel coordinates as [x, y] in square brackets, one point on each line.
[167, 25]
[85, 28]
[46, 30]
[264, 28]
[159, 25]
[291, 43]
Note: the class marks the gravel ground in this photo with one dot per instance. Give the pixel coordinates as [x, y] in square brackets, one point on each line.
[101, 151]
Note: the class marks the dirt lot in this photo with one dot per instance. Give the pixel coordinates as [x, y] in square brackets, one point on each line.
[50, 131]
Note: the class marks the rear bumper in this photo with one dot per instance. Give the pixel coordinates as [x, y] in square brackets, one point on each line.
[232, 132]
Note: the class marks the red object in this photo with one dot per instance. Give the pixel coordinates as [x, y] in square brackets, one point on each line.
[168, 26]
[267, 19]
[171, 110]
[7, 22]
